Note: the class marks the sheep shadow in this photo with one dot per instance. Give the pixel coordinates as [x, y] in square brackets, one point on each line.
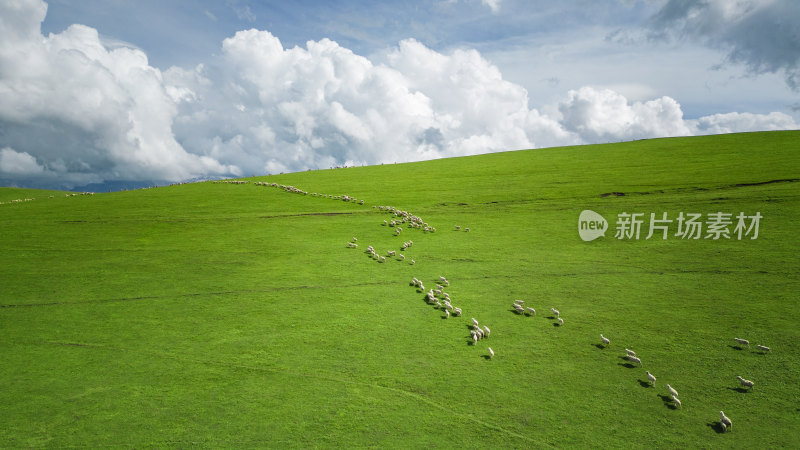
[628, 365]
[667, 401]
[600, 346]
[736, 347]
[551, 317]
[741, 390]
[716, 426]
[556, 324]
[486, 357]
[644, 384]
[515, 312]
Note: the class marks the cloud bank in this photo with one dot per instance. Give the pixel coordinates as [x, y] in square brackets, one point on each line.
[761, 34]
[74, 111]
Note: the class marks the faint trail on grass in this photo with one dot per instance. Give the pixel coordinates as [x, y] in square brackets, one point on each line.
[190, 295]
[218, 363]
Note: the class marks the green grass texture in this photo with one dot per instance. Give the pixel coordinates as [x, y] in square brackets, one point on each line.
[224, 315]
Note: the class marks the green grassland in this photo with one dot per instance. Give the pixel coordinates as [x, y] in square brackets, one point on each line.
[224, 315]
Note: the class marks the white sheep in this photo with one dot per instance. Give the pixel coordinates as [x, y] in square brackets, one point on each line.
[390, 252]
[487, 331]
[560, 322]
[531, 310]
[475, 321]
[519, 309]
[676, 401]
[457, 312]
[491, 352]
[458, 227]
[383, 259]
[725, 421]
[745, 383]
[630, 352]
[447, 313]
[742, 342]
[672, 390]
[635, 359]
[763, 348]
[555, 311]
[355, 239]
[519, 302]
[474, 337]
[466, 229]
[401, 256]
[412, 262]
[605, 340]
[651, 378]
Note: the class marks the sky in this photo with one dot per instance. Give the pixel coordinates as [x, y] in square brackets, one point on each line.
[109, 93]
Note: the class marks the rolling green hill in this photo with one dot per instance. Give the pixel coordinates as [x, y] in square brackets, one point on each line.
[230, 315]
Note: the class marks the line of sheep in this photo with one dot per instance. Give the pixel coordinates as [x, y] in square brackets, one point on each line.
[440, 300]
[725, 422]
[370, 251]
[404, 217]
[295, 190]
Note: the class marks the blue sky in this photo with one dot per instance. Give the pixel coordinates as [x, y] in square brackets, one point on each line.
[158, 91]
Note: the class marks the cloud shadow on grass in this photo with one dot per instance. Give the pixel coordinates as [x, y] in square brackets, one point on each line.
[716, 426]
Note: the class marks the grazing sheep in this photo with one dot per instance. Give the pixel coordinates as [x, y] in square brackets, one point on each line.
[519, 302]
[519, 309]
[605, 340]
[390, 253]
[672, 391]
[487, 331]
[412, 262]
[447, 313]
[491, 353]
[458, 227]
[474, 337]
[725, 421]
[742, 342]
[763, 348]
[745, 383]
[355, 239]
[630, 352]
[555, 311]
[466, 229]
[457, 312]
[560, 322]
[634, 359]
[401, 256]
[651, 378]
[475, 321]
[383, 259]
[531, 310]
[676, 401]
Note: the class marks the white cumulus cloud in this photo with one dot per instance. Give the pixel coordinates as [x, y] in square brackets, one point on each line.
[75, 111]
[18, 163]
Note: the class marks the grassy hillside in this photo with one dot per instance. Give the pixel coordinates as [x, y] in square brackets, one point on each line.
[225, 315]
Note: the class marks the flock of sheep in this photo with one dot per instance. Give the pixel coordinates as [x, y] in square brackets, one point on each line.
[21, 200]
[441, 300]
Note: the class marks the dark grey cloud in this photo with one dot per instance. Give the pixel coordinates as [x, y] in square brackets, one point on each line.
[762, 35]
